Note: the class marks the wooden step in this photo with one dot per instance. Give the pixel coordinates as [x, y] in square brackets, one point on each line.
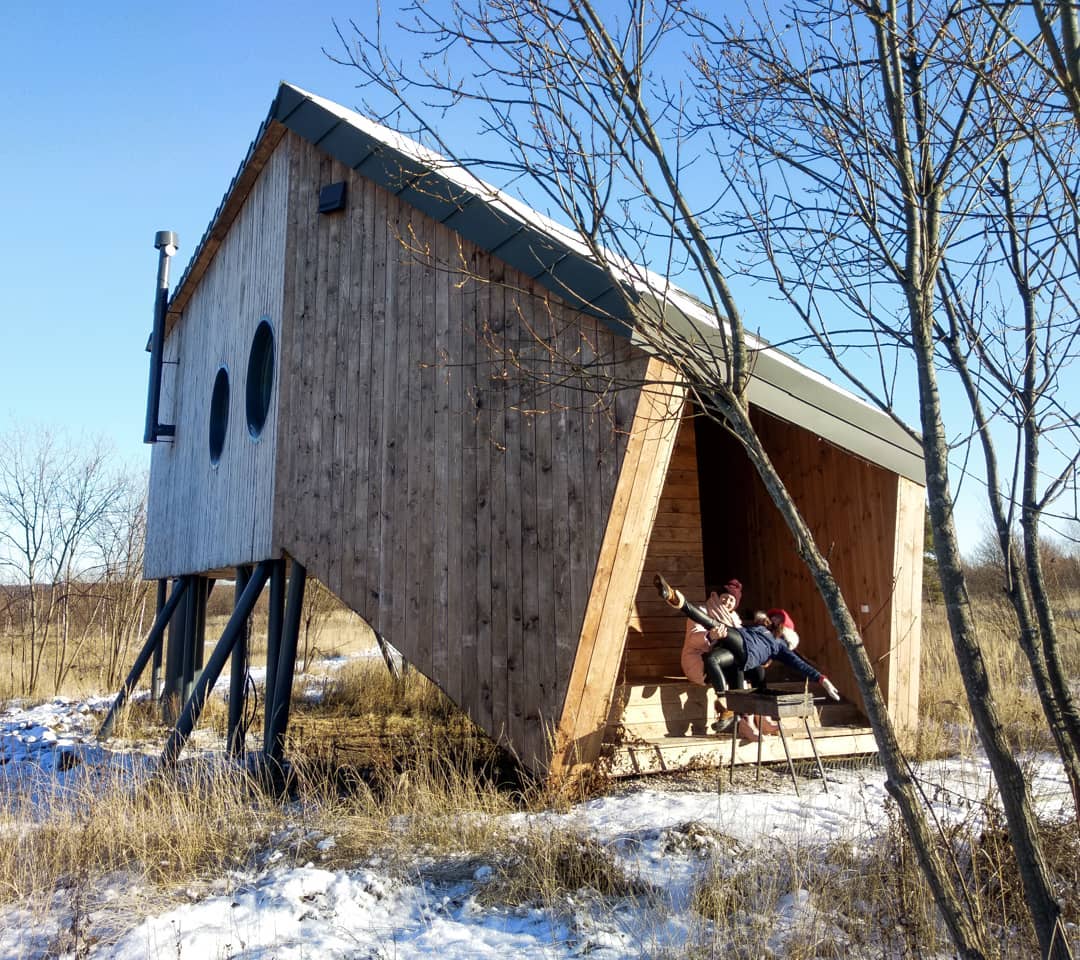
[666, 754]
[672, 708]
[675, 707]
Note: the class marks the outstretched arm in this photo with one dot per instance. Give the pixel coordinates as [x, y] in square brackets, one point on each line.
[676, 599]
[792, 659]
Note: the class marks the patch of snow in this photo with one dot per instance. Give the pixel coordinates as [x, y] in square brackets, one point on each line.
[663, 838]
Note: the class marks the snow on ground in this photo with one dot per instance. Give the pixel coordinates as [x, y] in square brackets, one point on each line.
[308, 911]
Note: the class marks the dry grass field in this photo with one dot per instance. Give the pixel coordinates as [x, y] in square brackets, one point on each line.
[945, 719]
[392, 770]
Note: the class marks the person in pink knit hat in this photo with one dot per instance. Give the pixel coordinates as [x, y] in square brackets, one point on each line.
[721, 606]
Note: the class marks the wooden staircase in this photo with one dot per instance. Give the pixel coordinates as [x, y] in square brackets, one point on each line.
[670, 724]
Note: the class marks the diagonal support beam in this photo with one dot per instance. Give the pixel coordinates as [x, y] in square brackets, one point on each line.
[152, 646]
[238, 677]
[274, 746]
[274, 623]
[224, 647]
[155, 664]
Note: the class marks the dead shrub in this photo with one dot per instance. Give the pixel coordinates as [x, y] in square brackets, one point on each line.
[542, 866]
[943, 702]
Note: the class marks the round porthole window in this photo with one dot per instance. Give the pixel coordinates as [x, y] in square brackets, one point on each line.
[219, 414]
[260, 377]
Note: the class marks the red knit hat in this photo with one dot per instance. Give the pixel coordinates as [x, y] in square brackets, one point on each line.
[735, 589]
[782, 617]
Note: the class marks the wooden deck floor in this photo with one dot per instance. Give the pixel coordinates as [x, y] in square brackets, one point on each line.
[657, 728]
[665, 754]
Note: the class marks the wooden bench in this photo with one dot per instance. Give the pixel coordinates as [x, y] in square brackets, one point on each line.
[778, 706]
[672, 707]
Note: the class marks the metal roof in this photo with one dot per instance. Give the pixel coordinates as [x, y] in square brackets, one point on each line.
[557, 258]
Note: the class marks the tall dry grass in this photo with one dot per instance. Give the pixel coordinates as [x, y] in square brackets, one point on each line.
[867, 897]
[431, 769]
[123, 846]
[945, 718]
[394, 774]
[158, 831]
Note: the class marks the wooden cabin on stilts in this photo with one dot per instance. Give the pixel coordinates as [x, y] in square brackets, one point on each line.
[382, 373]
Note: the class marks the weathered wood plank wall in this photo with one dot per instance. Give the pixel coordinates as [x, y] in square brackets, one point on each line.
[630, 518]
[452, 500]
[202, 517]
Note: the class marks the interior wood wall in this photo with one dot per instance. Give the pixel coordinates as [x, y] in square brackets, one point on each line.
[655, 633]
[869, 523]
[451, 499]
[199, 516]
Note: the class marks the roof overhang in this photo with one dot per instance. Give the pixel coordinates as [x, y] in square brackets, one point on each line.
[555, 257]
[790, 390]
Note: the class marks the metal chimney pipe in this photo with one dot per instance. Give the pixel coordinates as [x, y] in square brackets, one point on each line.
[166, 242]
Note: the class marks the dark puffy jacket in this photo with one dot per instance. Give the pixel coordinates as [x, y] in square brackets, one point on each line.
[761, 647]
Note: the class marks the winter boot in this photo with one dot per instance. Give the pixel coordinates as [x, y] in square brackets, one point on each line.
[767, 726]
[725, 722]
[748, 730]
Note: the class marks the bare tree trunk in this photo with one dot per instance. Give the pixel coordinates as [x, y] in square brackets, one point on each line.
[900, 784]
[1016, 799]
[1029, 521]
[64, 635]
[1042, 659]
[561, 75]
[29, 644]
[1034, 649]
[922, 195]
[1058, 678]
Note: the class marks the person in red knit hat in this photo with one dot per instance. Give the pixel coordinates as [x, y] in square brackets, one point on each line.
[782, 627]
[772, 636]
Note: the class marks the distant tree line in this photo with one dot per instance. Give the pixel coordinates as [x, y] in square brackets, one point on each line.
[73, 601]
[985, 570]
[72, 533]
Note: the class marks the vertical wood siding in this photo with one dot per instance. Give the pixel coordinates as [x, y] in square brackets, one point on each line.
[655, 633]
[630, 518]
[451, 499]
[201, 517]
[906, 626]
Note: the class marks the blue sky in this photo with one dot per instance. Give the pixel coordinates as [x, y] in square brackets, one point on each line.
[123, 119]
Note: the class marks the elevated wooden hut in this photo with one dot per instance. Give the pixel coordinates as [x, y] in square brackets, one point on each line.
[352, 381]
